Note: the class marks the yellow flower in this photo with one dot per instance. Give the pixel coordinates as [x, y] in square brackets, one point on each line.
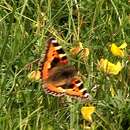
[87, 112]
[110, 68]
[34, 75]
[83, 52]
[75, 50]
[118, 51]
[79, 50]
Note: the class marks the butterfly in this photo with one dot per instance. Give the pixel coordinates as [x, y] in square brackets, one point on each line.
[58, 76]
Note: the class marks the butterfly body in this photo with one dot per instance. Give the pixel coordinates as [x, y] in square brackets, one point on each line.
[58, 76]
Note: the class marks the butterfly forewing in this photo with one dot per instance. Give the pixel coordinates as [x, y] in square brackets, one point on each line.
[54, 57]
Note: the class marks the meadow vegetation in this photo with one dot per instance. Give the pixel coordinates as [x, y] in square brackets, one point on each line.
[97, 26]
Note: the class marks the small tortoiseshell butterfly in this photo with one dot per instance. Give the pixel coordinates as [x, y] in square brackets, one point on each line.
[59, 78]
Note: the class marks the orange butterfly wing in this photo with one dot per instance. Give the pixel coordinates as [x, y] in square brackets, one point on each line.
[59, 78]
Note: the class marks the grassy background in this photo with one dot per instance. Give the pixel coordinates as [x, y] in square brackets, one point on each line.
[25, 25]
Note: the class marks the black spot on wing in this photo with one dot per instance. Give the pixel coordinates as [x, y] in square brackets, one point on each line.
[84, 92]
[55, 44]
[64, 58]
[55, 62]
[51, 39]
[77, 81]
[81, 86]
[60, 51]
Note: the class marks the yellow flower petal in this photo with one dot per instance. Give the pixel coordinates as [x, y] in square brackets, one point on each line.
[110, 68]
[34, 75]
[123, 45]
[87, 112]
[117, 51]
